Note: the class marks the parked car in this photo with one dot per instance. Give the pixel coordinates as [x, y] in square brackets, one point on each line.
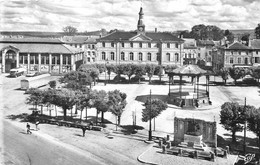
[17, 72]
[32, 74]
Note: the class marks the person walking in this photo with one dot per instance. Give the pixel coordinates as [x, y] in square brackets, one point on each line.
[28, 128]
[36, 125]
[83, 130]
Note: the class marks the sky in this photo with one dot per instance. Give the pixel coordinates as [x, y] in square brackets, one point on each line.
[91, 15]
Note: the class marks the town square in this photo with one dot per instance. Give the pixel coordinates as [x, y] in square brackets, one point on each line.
[145, 95]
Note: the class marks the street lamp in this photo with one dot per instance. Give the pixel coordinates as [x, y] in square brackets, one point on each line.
[150, 122]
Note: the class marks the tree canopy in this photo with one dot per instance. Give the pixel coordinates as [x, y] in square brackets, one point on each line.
[257, 31]
[70, 30]
[231, 117]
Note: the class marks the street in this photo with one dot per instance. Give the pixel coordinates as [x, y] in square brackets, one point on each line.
[24, 149]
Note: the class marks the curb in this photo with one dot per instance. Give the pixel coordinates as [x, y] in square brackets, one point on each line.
[144, 161]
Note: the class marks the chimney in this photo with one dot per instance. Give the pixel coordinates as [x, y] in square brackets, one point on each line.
[155, 30]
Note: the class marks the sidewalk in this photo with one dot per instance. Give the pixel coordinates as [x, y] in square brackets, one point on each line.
[154, 156]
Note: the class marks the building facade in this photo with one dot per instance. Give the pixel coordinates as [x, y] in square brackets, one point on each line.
[140, 47]
[38, 55]
[190, 51]
[237, 54]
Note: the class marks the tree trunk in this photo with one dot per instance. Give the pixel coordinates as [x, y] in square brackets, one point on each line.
[71, 112]
[97, 117]
[64, 114]
[160, 77]
[234, 136]
[150, 78]
[41, 109]
[55, 110]
[102, 117]
[109, 77]
[235, 81]
[129, 79]
[50, 112]
[76, 109]
[86, 114]
[81, 114]
[153, 124]
[225, 81]
[118, 120]
[139, 81]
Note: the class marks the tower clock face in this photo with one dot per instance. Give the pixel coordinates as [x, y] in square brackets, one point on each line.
[141, 28]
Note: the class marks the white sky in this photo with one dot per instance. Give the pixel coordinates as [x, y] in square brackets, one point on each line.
[89, 15]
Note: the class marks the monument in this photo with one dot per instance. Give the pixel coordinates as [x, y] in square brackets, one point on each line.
[195, 132]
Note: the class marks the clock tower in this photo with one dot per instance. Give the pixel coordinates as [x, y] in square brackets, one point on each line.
[140, 24]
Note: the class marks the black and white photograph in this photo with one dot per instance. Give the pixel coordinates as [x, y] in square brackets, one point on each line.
[129, 82]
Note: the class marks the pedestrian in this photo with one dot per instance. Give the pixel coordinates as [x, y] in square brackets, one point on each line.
[91, 125]
[36, 125]
[28, 128]
[83, 130]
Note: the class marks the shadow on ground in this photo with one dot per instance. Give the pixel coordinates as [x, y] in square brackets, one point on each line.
[143, 98]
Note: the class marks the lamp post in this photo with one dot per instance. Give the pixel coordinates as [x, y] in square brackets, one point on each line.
[245, 131]
[150, 121]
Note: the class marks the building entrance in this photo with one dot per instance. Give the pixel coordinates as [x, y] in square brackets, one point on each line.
[10, 60]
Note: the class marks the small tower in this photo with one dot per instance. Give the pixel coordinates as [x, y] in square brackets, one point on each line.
[140, 24]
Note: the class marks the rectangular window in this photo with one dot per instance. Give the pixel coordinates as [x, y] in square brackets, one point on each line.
[93, 46]
[231, 61]
[140, 45]
[131, 45]
[123, 45]
[256, 52]
[176, 45]
[239, 60]
[112, 44]
[149, 45]
[103, 44]
[168, 45]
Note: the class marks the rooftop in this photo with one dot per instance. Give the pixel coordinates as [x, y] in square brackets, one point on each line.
[126, 36]
[237, 46]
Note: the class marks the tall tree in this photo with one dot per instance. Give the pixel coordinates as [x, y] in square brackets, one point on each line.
[229, 36]
[257, 31]
[101, 103]
[245, 38]
[69, 30]
[117, 103]
[139, 71]
[128, 70]
[152, 110]
[224, 73]
[65, 99]
[235, 73]
[256, 73]
[254, 122]
[159, 71]
[110, 68]
[35, 98]
[231, 117]
[150, 68]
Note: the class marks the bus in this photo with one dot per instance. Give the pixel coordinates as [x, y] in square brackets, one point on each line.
[35, 82]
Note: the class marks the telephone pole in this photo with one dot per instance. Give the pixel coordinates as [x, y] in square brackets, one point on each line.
[150, 121]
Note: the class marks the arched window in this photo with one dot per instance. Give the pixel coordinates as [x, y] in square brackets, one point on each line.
[176, 57]
[103, 56]
[149, 57]
[112, 56]
[140, 57]
[168, 56]
[131, 54]
[123, 56]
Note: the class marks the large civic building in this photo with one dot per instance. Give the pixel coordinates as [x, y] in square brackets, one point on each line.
[38, 55]
[140, 46]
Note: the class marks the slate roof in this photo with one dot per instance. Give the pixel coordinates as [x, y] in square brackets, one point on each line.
[188, 70]
[238, 46]
[205, 43]
[125, 36]
[78, 39]
[255, 44]
[30, 40]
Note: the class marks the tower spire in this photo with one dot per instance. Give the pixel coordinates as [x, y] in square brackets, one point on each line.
[140, 24]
